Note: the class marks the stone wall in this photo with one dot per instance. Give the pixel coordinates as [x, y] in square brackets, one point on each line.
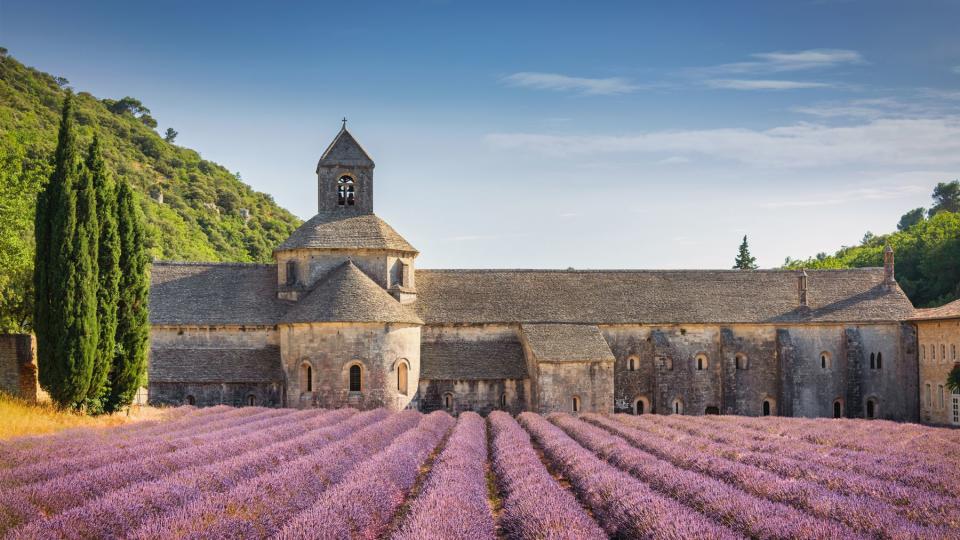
[231, 337]
[558, 383]
[481, 396]
[18, 366]
[208, 394]
[380, 265]
[330, 349]
[939, 342]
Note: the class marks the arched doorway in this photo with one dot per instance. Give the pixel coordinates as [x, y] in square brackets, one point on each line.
[838, 409]
[641, 406]
[871, 408]
[766, 407]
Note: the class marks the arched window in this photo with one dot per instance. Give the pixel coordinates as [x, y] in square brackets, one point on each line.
[741, 361]
[251, 400]
[879, 360]
[953, 352]
[873, 361]
[677, 406]
[191, 400]
[923, 352]
[667, 363]
[871, 408]
[929, 395]
[702, 362]
[306, 377]
[291, 272]
[943, 353]
[766, 407]
[838, 409]
[632, 363]
[825, 360]
[503, 401]
[641, 406]
[401, 378]
[940, 403]
[345, 193]
[448, 401]
[356, 378]
[576, 404]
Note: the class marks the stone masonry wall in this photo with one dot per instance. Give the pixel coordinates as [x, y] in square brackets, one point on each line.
[939, 343]
[18, 366]
[208, 394]
[481, 396]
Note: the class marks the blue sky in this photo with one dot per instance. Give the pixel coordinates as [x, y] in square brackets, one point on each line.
[550, 134]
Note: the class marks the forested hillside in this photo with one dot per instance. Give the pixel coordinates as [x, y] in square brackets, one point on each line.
[926, 245]
[195, 209]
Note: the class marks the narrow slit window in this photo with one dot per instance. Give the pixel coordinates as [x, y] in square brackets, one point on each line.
[576, 404]
[879, 360]
[402, 378]
[355, 378]
[291, 272]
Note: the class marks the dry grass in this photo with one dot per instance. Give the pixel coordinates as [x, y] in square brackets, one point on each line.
[19, 418]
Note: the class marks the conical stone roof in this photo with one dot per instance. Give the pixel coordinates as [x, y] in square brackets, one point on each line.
[333, 230]
[349, 295]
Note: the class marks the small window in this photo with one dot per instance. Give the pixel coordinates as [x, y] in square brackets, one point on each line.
[448, 401]
[356, 379]
[943, 353]
[873, 361]
[402, 378]
[291, 272]
[929, 395]
[345, 192]
[825, 360]
[503, 401]
[702, 362]
[879, 360]
[677, 406]
[306, 377]
[923, 352]
[941, 403]
[712, 410]
[933, 352]
[641, 406]
[766, 407]
[953, 352]
[667, 363]
[871, 408]
[576, 404]
[838, 409]
[251, 400]
[191, 400]
[632, 364]
[741, 361]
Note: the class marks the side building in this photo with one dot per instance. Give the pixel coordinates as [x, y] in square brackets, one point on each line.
[938, 333]
[343, 318]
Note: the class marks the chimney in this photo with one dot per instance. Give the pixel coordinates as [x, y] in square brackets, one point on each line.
[888, 277]
[802, 287]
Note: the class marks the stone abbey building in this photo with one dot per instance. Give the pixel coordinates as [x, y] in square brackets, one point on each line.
[344, 318]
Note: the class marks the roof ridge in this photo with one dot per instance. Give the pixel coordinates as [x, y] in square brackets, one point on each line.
[649, 270]
[201, 263]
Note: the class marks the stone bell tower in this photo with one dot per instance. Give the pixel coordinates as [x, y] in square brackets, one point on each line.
[345, 177]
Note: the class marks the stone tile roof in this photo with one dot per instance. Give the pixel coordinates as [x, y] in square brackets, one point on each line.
[656, 296]
[346, 294]
[212, 294]
[472, 359]
[216, 365]
[345, 150]
[334, 230]
[947, 311]
[566, 343]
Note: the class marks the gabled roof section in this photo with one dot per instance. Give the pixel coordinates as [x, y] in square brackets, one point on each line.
[330, 230]
[195, 365]
[566, 343]
[657, 296]
[209, 294]
[472, 359]
[345, 150]
[947, 311]
[346, 294]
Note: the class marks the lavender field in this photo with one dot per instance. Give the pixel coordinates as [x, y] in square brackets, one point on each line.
[252, 472]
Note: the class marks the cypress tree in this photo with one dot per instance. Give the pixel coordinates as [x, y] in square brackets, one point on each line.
[63, 362]
[108, 269]
[744, 260]
[133, 329]
[82, 328]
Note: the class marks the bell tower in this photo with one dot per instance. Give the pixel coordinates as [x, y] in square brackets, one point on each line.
[345, 177]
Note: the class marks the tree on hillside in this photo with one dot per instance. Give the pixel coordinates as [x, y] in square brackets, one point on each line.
[911, 218]
[130, 359]
[170, 135]
[126, 105]
[65, 306]
[108, 268]
[744, 260]
[953, 379]
[946, 197]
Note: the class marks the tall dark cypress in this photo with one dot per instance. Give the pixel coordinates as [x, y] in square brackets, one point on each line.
[133, 329]
[54, 227]
[108, 268]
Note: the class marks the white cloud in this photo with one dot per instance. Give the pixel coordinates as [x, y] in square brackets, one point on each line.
[779, 61]
[558, 82]
[767, 84]
[850, 196]
[880, 142]
[674, 160]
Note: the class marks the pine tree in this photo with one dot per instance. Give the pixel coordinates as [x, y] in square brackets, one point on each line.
[130, 360]
[744, 260]
[108, 254]
[65, 274]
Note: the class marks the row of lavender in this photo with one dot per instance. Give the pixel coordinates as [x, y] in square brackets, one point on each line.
[242, 473]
